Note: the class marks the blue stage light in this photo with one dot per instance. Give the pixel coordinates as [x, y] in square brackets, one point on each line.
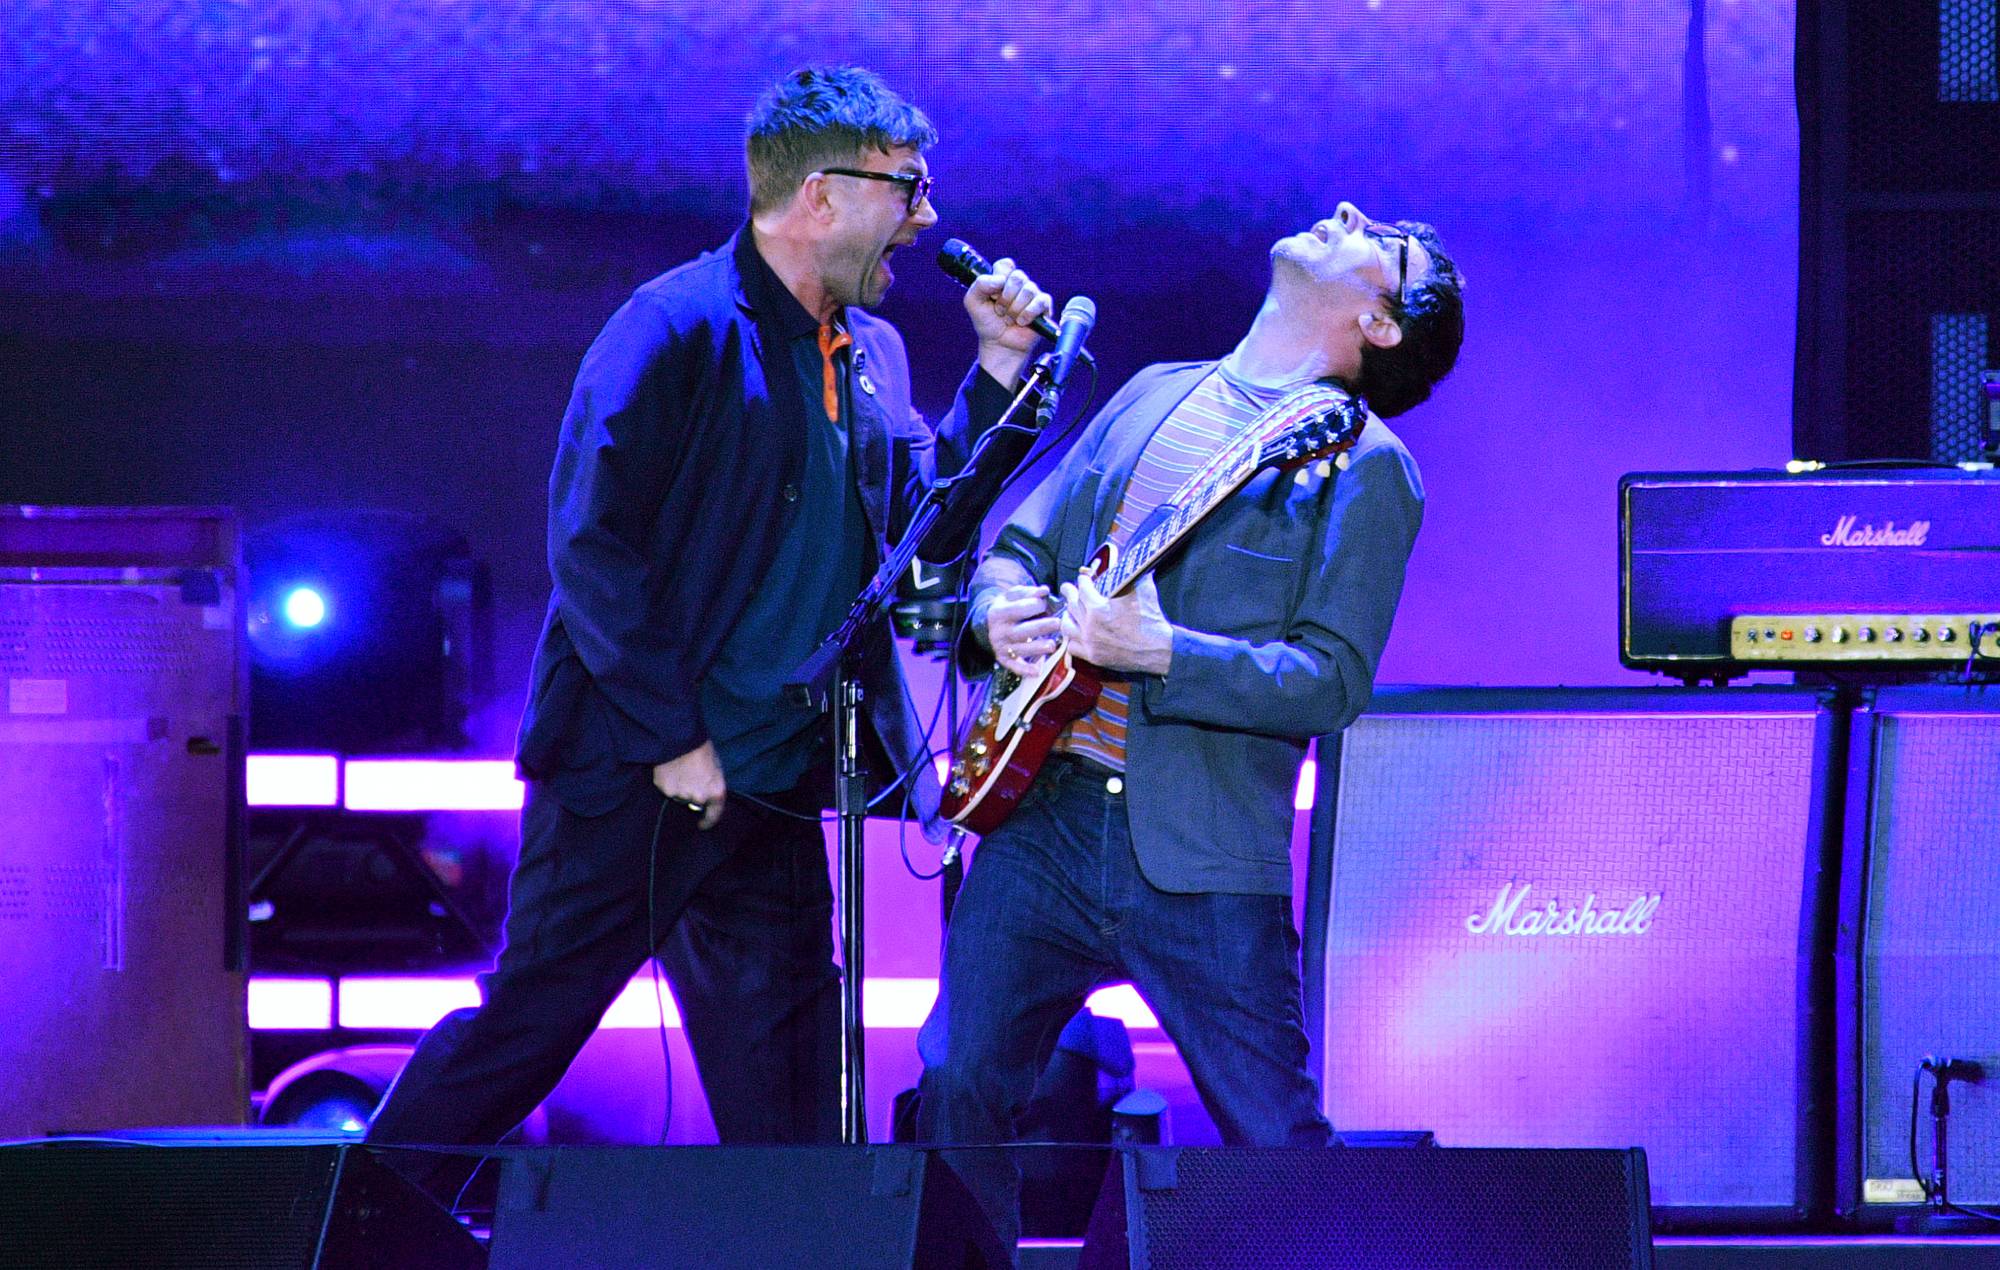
[368, 632]
[305, 608]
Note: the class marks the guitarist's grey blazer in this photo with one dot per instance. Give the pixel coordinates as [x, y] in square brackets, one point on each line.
[1281, 602]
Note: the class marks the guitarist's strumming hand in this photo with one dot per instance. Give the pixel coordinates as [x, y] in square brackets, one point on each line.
[1021, 628]
[1127, 633]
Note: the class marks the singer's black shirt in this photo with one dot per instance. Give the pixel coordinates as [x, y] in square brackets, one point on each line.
[765, 742]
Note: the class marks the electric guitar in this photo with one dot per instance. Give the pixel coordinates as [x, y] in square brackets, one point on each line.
[1020, 718]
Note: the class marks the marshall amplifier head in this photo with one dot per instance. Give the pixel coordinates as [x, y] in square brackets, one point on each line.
[1721, 572]
[1559, 918]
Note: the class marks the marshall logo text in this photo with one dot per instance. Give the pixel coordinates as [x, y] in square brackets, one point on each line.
[1511, 915]
[1848, 534]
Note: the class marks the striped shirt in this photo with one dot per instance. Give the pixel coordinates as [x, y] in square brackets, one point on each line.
[1219, 408]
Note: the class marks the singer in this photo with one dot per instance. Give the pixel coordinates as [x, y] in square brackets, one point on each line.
[1153, 845]
[731, 462]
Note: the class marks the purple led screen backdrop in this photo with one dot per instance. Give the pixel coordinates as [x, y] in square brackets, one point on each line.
[298, 256]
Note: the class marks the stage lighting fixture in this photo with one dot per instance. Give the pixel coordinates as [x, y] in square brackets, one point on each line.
[338, 893]
[369, 633]
[305, 608]
[336, 1090]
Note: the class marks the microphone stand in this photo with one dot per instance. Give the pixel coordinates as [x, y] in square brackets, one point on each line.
[831, 679]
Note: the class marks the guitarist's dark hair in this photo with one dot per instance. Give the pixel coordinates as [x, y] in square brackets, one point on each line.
[1432, 315]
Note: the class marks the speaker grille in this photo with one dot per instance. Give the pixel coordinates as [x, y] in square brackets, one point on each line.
[1682, 1036]
[219, 1209]
[1958, 410]
[1966, 53]
[1913, 368]
[1550, 1210]
[1931, 957]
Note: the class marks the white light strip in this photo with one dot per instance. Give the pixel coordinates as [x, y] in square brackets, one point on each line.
[445, 784]
[291, 1005]
[395, 1003]
[904, 1003]
[1122, 1001]
[398, 1003]
[292, 780]
[640, 1006]
[414, 784]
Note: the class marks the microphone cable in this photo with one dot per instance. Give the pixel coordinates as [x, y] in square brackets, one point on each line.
[653, 964]
[1916, 1088]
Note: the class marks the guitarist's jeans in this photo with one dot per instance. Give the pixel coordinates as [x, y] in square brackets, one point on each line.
[1055, 905]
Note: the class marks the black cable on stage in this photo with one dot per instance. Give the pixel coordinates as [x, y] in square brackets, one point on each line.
[1916, 1088]
[653, 963]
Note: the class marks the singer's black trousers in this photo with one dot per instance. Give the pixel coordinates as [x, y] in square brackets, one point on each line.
[742, 923]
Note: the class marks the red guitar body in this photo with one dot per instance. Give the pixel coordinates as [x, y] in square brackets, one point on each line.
[1006, 779]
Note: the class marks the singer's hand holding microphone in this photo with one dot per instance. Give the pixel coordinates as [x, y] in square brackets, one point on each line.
[1005, 304]
[1010, 312]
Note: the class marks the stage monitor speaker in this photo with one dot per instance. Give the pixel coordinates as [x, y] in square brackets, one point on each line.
[843, 1208]
[1585, 919]
[121, 797]
[82, 1206]
[1920, 955]
[1208, 1208]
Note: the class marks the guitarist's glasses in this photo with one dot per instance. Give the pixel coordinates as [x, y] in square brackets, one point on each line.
[1385, 234]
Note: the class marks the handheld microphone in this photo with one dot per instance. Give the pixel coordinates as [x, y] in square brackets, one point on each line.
[966, 265]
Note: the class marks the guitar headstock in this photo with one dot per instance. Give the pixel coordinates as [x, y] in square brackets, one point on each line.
[1328, 422]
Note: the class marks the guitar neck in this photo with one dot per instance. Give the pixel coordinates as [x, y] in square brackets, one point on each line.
[1291, 431]
[1199, 495]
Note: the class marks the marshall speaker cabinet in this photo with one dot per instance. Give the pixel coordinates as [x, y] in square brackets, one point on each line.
[1557, 918]
[121, 792]
[1920, 945]
[1720, 572]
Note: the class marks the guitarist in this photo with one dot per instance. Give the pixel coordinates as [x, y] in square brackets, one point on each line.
[1153, 844]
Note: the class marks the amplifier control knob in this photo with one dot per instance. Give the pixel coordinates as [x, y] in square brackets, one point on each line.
[1751, 636]
[1918, 635]
[1812, 635]
[1770, 634]
[1894, 634]
[1867, 634]
[1946, 635]
[1840, 634]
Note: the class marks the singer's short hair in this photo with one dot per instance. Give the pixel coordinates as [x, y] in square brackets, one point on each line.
[820, 116]
[1432, 315]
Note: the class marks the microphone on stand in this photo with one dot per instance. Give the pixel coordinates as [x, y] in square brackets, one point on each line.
[1001, 451]
[1078, 317]
[1960, 1069]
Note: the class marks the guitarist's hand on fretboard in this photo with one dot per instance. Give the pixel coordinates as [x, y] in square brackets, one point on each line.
[1021, 628]
[1127, 632]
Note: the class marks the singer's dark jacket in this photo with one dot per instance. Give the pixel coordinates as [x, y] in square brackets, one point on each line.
[677, 474]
